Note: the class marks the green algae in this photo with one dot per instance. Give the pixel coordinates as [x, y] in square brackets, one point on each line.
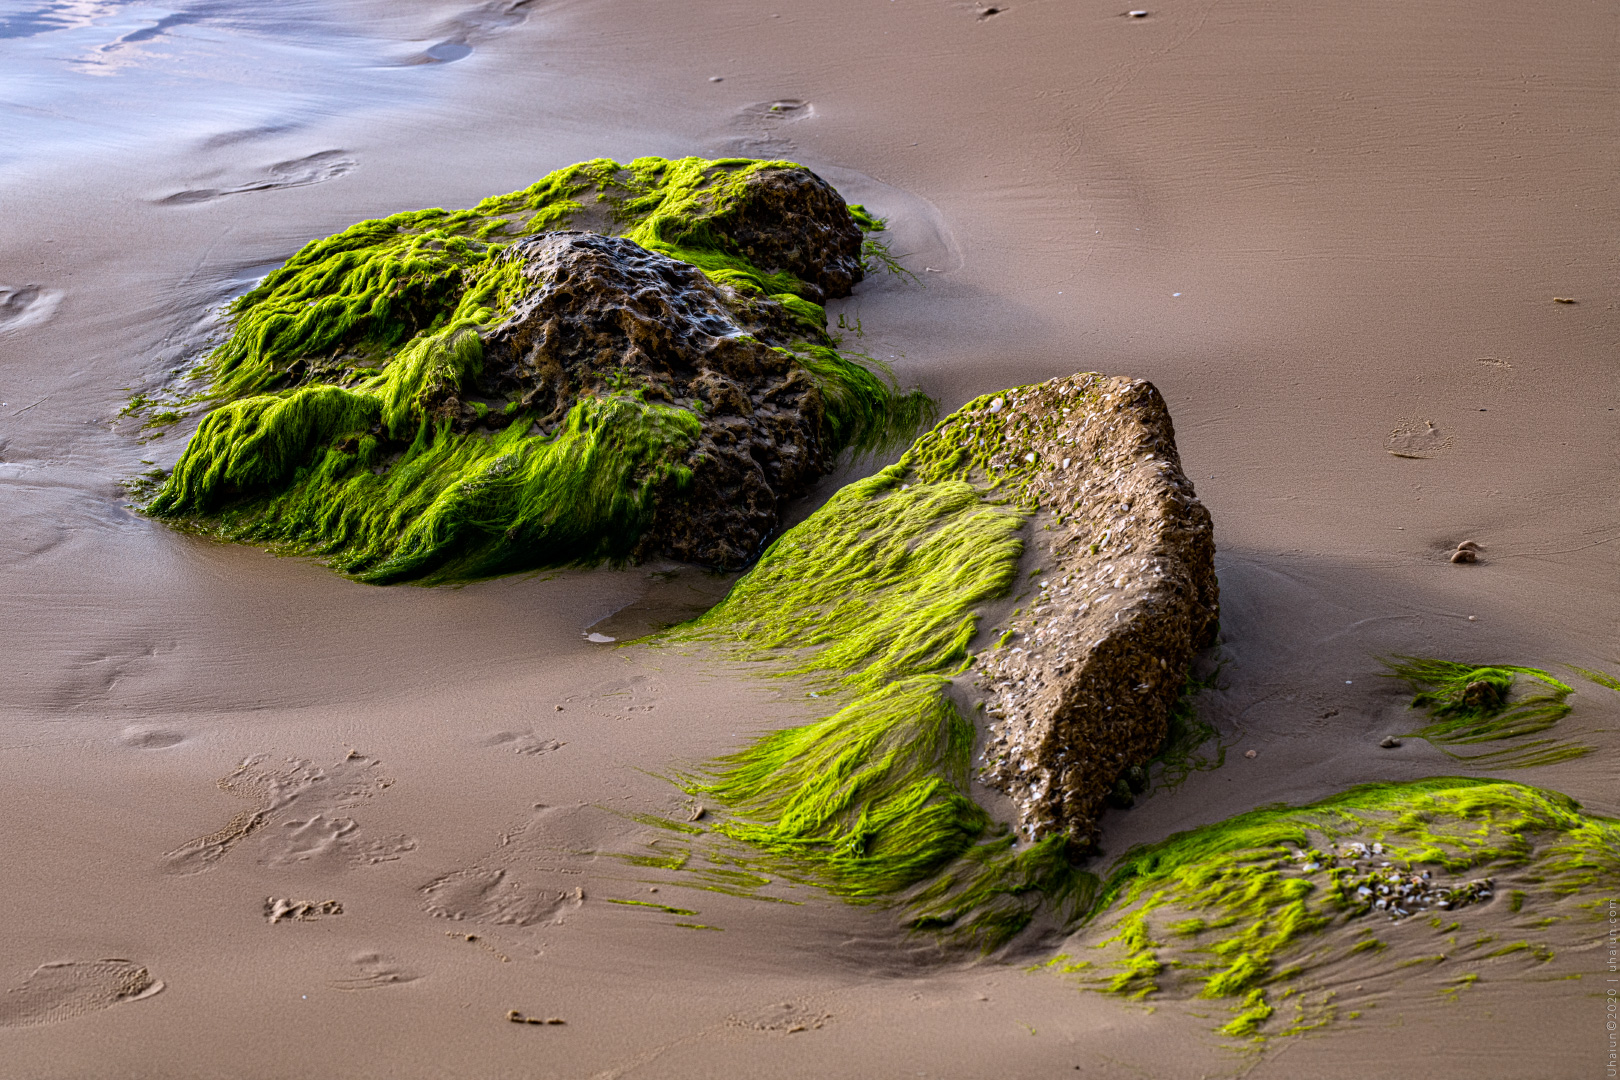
[879, 584]
[1470, 704]
[1602, 678]
[322, 440]
[447, 508]
[868, 800]
[1243, 894]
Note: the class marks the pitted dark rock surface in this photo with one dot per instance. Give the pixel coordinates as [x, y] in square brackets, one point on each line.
[608, 316]
[1079, 689]
[792, 220]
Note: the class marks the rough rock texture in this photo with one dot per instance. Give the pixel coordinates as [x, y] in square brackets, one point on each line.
[1079, 689]
[606, 315]
[792, 220]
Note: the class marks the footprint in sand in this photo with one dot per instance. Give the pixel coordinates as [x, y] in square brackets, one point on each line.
[763, 126]
[787, 1018]
[300, 172]
[296, 818]
[63, 990]
[278, 909]
[26, 305]
[370, 970]
[532, 876]
[1417, 439]
[523, 742]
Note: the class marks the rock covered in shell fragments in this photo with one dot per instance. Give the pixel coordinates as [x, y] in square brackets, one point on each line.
[1079, 687]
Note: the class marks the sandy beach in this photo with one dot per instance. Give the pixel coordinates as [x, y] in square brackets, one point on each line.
[1331, 235]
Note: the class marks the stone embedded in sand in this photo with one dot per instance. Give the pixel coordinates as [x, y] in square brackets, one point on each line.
[1080, 687]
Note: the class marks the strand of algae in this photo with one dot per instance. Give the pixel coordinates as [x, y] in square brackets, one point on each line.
[324, 443]
[1476, 703]
[1251, 903]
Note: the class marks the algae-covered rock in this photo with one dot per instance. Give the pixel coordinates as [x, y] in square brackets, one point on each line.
[877, 598]
[602, 313]
[1080, 686]
[451, 394]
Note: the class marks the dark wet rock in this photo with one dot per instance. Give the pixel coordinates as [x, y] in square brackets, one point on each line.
[791, 220]
[1080, 687]
[1484, 694]
[604, 316]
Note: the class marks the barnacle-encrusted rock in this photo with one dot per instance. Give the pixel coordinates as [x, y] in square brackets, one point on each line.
[602, 314]
[1079, 688]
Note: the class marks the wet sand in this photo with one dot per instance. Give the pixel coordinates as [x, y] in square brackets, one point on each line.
[1321, 232]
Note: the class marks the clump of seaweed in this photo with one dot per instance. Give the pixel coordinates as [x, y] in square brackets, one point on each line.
[1227, 908]
[351, 422]
[1469, 704]
[873, 798]
[880, 583]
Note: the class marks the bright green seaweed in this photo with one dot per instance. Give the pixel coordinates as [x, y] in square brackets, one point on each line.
[323, 444]
[1470, 704]
[1231, 904]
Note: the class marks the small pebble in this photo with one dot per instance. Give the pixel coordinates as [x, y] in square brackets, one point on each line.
[1137, 14]
[1468, 545]
[1563, 299]
[1464, 555]
[1250, 753]
[1390, 742]
[716, 78]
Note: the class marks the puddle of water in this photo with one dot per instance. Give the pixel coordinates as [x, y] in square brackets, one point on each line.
[674, 593]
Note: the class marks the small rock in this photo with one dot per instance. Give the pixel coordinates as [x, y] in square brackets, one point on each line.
[1138, 14]
[1390, 742]
[1480, 694]
[697, 813]
[1251, 753]
[1464, 555]
[1468, 545]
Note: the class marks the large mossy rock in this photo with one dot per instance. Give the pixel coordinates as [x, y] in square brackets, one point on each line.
[1079, 688]
[878, 598]
[443, 395]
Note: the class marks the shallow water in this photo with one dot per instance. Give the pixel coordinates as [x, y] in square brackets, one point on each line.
[83, 78]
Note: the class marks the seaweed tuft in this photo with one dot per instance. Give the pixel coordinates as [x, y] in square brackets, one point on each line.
[1469, 704]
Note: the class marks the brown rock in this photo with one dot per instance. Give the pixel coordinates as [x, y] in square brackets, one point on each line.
[1080, 688]
[1464, 555]
[606, 315]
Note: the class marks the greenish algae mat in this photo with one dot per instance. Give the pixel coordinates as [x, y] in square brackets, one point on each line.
[321, 437]
[1258, 908]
